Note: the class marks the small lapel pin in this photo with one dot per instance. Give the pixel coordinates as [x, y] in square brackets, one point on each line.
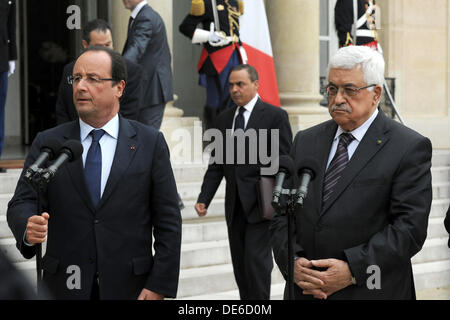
[133, 148]
[379, 142]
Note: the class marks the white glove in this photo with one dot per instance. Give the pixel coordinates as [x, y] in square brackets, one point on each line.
[12, 67]
[217, 39]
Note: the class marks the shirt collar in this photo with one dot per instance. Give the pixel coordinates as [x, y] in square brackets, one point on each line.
[138, 8]
[359, 132]
[111, 128]
[249, 106]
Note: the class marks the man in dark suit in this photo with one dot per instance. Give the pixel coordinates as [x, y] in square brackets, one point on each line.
[248, 231]
[366, 213]
[8, 55]
[147, 46]
[98, 33]
[220, 50]
[102, 209]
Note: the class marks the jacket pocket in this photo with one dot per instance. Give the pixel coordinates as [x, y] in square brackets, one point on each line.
[142, 265]
[50, 264]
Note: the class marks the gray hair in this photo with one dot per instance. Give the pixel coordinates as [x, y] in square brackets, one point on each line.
[369, 60]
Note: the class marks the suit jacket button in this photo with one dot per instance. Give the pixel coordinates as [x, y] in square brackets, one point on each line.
[96, 221]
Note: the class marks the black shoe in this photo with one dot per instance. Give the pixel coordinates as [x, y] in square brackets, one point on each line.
[2, 170]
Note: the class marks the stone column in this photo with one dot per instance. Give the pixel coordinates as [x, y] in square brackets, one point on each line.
[294, 30]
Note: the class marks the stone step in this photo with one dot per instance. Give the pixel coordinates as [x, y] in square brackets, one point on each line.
[9, 181]
[441, 190]
[436, 228]
[5, 232]
[440, 174]
[4, 199]
[439, 207]
[202, 254]
[212, 279]
[189, 172]
[434, 274]
[204, 229]
[433, 250]
[440, 158]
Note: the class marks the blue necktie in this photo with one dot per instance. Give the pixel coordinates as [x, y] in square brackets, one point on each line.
[337, 165]
[93, 166]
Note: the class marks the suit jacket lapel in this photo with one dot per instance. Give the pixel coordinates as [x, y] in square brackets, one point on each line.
[127, 146]
[375, 138]
[255, 116]
[75, 168]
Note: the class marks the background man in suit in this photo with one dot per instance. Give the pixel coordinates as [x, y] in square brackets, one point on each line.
[100, 210]
[368, 214]
[98, 33]
[248, 231]
[147, 46]
[220, 50]
[8, 55]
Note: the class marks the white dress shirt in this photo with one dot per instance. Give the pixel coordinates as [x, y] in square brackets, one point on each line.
[138, 8]
[358, 133]
[108, 144]
[247, 113]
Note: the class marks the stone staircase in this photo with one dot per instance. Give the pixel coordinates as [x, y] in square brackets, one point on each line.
[206, 270]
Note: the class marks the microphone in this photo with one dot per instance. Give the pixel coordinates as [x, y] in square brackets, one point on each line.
[286, 168]
[70, 151]
[48, 152]
[307, 172]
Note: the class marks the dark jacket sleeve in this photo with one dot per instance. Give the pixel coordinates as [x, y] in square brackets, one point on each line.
[139, 39]
[166, 220]
[131, 101]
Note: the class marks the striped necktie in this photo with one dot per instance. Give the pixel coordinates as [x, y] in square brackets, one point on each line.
[337, 165]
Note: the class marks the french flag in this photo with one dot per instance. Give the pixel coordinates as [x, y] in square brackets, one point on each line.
[255, 38]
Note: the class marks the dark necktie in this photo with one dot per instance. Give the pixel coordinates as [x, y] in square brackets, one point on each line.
[337, 165]
[130, 24]
[239, 122]
[93, 166]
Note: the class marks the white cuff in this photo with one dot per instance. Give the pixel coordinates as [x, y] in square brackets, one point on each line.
[200, 36]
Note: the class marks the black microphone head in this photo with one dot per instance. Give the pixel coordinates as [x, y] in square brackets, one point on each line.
[286, 165]
[52, 146]
[73, 148]
[310, 165]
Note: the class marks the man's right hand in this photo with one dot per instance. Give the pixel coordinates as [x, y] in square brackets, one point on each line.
[201, 209]
[306, 278]
[37, 228]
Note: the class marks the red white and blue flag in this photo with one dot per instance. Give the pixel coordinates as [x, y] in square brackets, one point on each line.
[255, 38]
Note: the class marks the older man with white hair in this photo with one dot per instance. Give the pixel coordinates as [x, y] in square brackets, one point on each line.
[367, 210]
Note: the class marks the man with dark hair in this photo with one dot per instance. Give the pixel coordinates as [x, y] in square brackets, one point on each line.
[147, 46]
[248, 230]
[102, 211]
[8, 55]
[98, 32]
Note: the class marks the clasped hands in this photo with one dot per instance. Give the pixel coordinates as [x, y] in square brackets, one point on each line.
[321, 284]
[217, 39]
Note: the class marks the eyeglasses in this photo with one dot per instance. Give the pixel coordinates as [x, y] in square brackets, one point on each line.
[332, 90]
[92, 80]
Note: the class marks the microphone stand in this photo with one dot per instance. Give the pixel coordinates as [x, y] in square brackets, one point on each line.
[290, 222]
[40, 186]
